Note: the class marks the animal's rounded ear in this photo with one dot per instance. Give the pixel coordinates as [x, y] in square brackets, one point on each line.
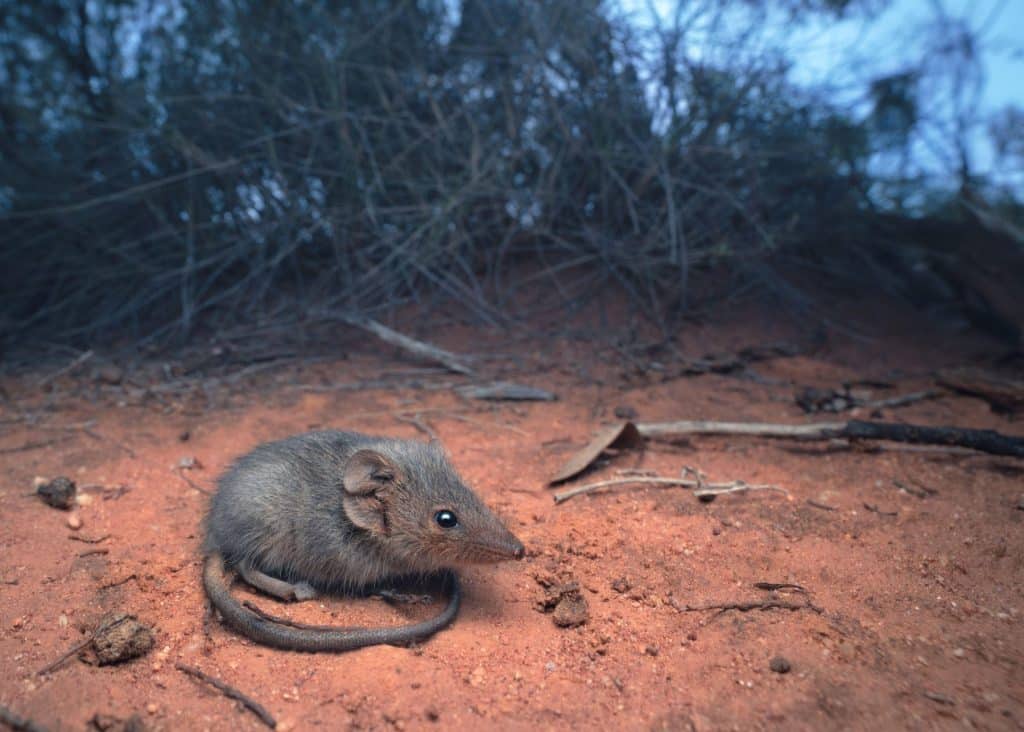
[368, 472]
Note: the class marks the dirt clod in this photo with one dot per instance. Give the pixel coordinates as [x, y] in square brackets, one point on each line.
[780, 665]
[571, 611]
[109, 723]
[621, 585]
[121, 637]
[59, 493]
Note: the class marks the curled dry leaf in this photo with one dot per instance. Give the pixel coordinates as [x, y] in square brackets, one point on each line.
[621, 434]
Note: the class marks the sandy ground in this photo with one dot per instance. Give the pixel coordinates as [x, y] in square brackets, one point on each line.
[911, 616]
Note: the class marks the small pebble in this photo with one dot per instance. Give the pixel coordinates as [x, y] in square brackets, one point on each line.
[74, 522]
[779, 665]
[651, 650]
[152, 708]
[59, 492]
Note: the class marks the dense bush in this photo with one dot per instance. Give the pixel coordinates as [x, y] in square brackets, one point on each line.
[169, 165]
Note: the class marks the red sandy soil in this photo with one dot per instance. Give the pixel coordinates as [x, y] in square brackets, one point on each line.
[921, 611]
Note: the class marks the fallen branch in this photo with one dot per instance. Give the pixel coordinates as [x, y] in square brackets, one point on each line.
[705, 489]
[231, 693]
[988, 441]
[19, 724]
[413, 346]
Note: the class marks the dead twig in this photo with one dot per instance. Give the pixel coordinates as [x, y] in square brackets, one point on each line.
[754, 605]
[231, 693]
[901, 401]
[939, 698]
[119, 582]
[875, 509]
[87, 540]
[823, 506]
[418, 348]
[706, 489]
[988, 441]
[417, 421]
[506, 391]
[479, 422]
[918, 490]
[116, 443]
[82, 358]
[19, 724]
[774, 586]
[180, 472]
[30, 446]
[91, 552]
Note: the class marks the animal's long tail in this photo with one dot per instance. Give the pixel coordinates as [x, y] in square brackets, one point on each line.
[278, 635]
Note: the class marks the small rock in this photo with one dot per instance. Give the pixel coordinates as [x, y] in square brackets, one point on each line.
[185, 436]
[476, 678]
[74, 522]
[59, 492]
[959, 652]
[624, 411]
[189, 462]
[152, 708]
[621, 585]
[651, 650]
[779, 665]
[121, 637]
[431, 714]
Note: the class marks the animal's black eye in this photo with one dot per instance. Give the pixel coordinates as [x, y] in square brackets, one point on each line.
[446, 519]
